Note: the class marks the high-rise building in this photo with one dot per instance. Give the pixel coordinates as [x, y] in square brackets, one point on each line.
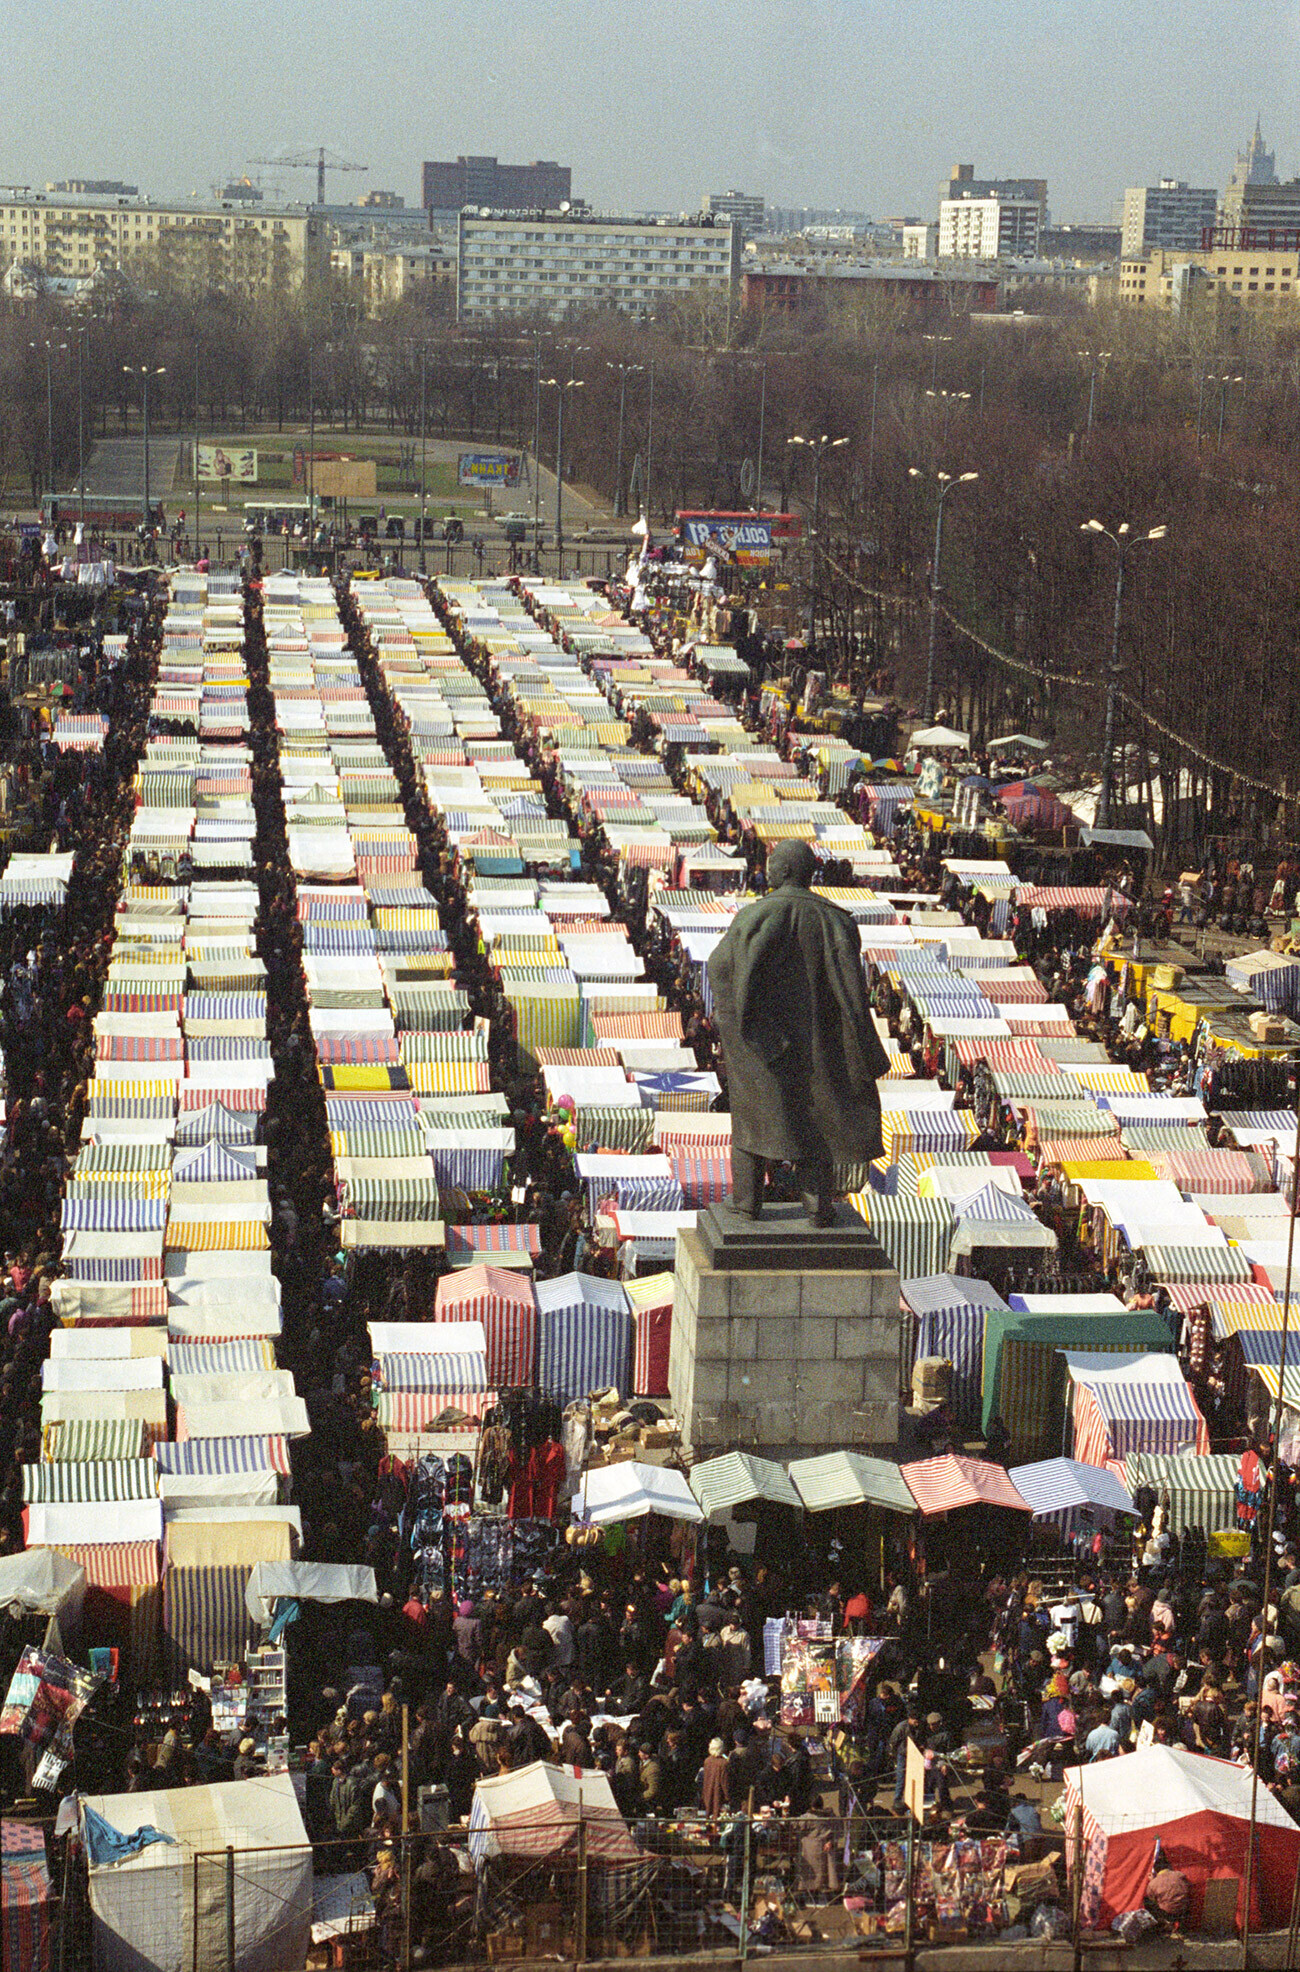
[1170, 214]
[542, 186]
[1254, 199]
[989, 228]
[746, 208]
[514, 264]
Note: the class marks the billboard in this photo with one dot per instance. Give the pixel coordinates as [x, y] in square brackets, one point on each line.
[487, 469]
[344, 479]
[752, 540]
[227, 463]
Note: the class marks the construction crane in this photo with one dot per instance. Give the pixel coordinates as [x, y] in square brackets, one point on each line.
[307, 161]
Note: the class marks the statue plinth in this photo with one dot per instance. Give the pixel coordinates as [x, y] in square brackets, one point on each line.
[787, 1338]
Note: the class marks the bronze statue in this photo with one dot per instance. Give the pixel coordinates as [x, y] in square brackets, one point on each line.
[802, 1053]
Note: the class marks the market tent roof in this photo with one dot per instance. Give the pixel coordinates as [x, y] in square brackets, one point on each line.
[945, 1484]
[145, 1905]
[42, 1582]
[630, 1491]
[735, 1478]
[305, 1581]
[850, 1479]
[1116, 838]
[1022, 1398]
[1200, 1810]
[537, 1811]
[939, 736]
[1058, 1485]
[1202, 1487]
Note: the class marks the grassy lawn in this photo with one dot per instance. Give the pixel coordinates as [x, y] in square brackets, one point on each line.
[395, 487]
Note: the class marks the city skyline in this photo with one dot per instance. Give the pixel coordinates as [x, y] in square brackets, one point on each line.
[870, 115]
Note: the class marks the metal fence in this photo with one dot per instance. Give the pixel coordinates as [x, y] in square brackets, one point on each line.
[684, 1888]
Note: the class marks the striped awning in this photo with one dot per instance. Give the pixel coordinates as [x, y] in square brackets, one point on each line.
[269, 1454]
[220, 1358]
[441, 1375]
[228, 1236]
[1202, 1490]
[117, 1564]
[1210, 1263]
[69, 1482]
[114, 1439]
[915, 1232]
[948, 1483]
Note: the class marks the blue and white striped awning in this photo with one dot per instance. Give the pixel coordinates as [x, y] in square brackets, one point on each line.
[224, 1006]
[1055, 1487]
[994, 1205]
[215, 1163]
[215, 1120]
[257, 1454]
[219, 1358]
[584, 1336]
[950, 1318]
[114, 1214]
[440, 1376]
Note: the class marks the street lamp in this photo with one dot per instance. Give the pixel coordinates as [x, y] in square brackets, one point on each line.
[144, 371]
[1122, 541]
[934, 341]
[1223, 398]
[49, 348]
[424, 351]
[818, 447]
[560, 384]
[1092, 357]
[946, 485]
[625, 370]
[950, 397]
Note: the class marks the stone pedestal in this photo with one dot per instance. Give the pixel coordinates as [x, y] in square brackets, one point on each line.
[786, 1338]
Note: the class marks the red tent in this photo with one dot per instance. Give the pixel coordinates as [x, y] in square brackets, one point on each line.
[507, 1307]
[1199, 1809]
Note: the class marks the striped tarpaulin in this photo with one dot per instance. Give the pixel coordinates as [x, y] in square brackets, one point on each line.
[1114, 1419]
[414, 1410]
[652, 1328]
[469, 1167]
[584, 1337]
[1202, 1491]
[26, 1897]
[614, 1126]
[139, 1047]
[214, 1163]
[225, 1236]
[114, 1214]
[664, 1026]
[1200, 1169]
[426, 1044]
[102, 1439]
[220, 1358]
[916, 1233]
[448, 1078]
[1208, 1263]
[704, 1179]
[253, 1100]
[392, 1199]
[204, 1617]
[378, 1050]
[950, 1316]
[950, 1482]
[501, 1299]
[116, 1564]
[147, 1268]
[118, 1157]
[67, 1482]
[227, 1047]
[1089, 901]
[1019, 1057]
[458, 1372]
[221, 1455]
[216, 1120]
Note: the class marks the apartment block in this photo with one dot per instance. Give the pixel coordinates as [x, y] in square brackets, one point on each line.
[512, 265]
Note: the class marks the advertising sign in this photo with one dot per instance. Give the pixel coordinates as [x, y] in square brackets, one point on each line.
[751, 540]
[238, 463]
[487, 469]
[345, 479]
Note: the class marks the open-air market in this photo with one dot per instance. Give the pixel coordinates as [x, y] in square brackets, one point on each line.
[649, 990]
[479, 1507]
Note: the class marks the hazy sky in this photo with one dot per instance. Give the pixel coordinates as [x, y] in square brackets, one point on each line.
[820, 102]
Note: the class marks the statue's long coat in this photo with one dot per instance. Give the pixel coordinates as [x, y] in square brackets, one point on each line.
[802, 1054]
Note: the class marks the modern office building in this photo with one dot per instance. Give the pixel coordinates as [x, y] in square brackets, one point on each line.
[747, 209]
[1256, 278]
[1171, 214]
[552, 264]
[224, 243]
[542, 186]
[992, 228]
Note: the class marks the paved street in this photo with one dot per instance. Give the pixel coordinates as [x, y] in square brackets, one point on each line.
[116, 466]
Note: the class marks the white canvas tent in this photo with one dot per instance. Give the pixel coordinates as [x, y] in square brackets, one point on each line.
[43, 1583]
[630, 1491]
[536, 1811]
[147, 1908]
[305, 1581]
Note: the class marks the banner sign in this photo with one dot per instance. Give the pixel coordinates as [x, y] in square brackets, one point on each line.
[487, 469]
[239, 463]
[825, 1681]
[751, 540]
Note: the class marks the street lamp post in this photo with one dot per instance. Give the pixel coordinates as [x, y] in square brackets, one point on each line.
[424, 565]
[950, 397]
[49, 348]
[81, 430]
[1223, 398]
[144, 371]
[1092, 357]
[934, 341]
[818, 447]
[560, 385]
[1122, 541]
[946, 485]
[625, 370]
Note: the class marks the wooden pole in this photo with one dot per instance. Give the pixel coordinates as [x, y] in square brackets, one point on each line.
[406, 1837]
[744, 1881]
[1076, 1888]
[580, 1915]
[230, 1910]
[406, 1768]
